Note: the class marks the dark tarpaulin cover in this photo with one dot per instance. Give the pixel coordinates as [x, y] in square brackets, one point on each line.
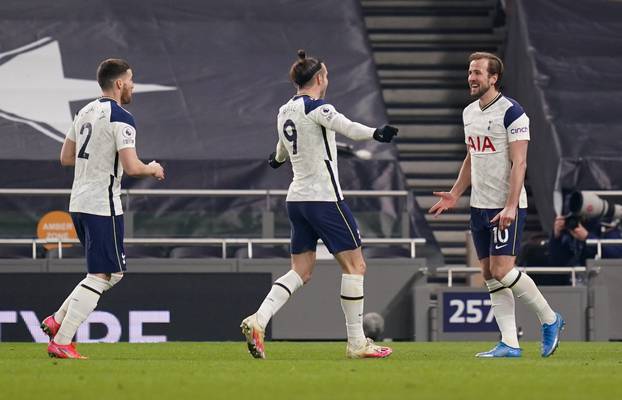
[563, 65]
[209, 77]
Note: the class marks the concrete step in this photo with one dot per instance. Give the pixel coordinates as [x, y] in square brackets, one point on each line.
[440, 95]
[425, 94]
[431, 132]
[393, 5]
[431, 148]
[414, 109]
[418, 47]
[472, 39]
[454, 251]
[424, 74]
[410, 113]
[440, 83]
[423, 58]
[434, 167]
[406, 118]
[462, 207]
[454, 237]
[436, 22]
[430, 185]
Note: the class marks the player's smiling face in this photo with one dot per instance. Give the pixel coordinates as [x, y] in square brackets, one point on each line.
[480, 81]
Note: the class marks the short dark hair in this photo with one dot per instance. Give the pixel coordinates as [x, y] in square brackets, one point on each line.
[303, 70]
[495, 65]
[109, 70]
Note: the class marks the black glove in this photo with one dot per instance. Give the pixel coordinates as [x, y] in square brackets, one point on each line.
[273, 162]
[385, 133]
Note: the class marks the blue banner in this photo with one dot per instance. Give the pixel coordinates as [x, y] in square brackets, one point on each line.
[468, 312]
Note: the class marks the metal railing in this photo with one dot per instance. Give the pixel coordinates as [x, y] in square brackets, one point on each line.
[267, 216]
[599, 245]
[223, 242]
[539, 270]
[203, 192]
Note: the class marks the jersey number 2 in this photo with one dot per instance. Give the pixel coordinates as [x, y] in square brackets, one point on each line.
[86, 127]
[292, 135]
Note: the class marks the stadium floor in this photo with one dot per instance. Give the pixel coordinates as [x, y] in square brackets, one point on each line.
[309, 371]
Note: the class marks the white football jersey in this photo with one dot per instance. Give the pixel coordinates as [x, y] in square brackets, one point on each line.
[306, 129]
[100, 130]
[488, 133]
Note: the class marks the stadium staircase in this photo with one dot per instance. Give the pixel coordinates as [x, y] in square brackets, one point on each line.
[420, 48]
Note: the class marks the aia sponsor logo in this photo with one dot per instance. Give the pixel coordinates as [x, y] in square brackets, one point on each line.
[480, 144]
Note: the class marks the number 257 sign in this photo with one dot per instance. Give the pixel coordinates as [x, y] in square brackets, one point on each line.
[468, 312]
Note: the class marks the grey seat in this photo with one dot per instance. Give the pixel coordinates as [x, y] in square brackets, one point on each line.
[386, 252]
[76, 251]
[263, 252]
[22, 251]
[196, 252]
[137, 251]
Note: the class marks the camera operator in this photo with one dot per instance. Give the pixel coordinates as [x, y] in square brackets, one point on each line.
[567, 243]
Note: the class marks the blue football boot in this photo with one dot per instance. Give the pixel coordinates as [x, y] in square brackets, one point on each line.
[550, 335]
[501, 350]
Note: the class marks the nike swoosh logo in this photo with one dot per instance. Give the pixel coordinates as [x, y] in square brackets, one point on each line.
[500, 247]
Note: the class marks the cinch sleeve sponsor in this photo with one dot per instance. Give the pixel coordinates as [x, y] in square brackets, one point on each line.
[516, 122]
[519, 129]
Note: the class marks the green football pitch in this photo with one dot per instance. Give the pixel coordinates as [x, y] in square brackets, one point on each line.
[309, 370]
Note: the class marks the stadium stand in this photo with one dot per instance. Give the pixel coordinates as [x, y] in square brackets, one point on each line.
[571, 90]
[206, 135]
[209, 135]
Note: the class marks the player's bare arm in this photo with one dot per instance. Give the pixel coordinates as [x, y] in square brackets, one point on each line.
[518, 156]
[448, 199]
[134, 167]
[68, 153]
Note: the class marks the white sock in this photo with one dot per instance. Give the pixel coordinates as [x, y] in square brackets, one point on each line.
[526, 290]
[281, 291]
[352, 304]
[503, 309]
[82, 302]
[59, 315]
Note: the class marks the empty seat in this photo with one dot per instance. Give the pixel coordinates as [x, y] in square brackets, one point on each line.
[14, 251]
[386, 252]
[196, 252]
[263, 252]
[68, 252]
[136, 251]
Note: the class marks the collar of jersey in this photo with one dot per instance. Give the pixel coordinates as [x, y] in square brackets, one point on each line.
[296, 97]
[106, 98]
[487, 106]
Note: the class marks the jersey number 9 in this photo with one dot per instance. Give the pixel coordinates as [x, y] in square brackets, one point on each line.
[292, 134]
